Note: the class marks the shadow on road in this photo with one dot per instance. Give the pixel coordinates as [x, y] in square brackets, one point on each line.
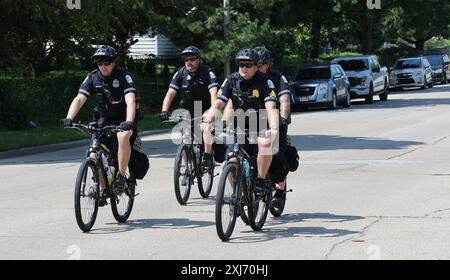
[173, 224]
[335, 142]
[276, 228]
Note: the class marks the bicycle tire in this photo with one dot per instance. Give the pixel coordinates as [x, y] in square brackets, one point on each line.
[80, 188]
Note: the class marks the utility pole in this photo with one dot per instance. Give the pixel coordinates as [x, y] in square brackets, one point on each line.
[226, 5]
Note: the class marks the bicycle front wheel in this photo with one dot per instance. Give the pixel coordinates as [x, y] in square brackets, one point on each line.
[86, 195]
[122, 203]
[227, 202]
[183, 175]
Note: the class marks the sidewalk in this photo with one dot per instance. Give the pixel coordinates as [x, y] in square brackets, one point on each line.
[62, 146]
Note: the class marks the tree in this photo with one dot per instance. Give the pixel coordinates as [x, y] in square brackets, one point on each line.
[418, 21]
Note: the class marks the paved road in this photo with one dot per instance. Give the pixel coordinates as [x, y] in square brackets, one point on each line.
[374, 183]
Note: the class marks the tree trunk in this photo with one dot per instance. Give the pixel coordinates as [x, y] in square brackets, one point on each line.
[315, 34]
[366, 34]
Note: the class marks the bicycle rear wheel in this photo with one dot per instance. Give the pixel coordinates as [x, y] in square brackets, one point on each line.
[205, 180]
[86, 195]
[122, 203]
[278, 210]
[227, 202]
[183, 175]
[257, 212]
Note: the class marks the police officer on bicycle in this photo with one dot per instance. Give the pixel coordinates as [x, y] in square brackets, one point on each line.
[250, 90]
[115, 96]
[278, 168]
[198, 83]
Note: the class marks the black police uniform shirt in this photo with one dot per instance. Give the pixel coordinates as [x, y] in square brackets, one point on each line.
[109, 93]
[280, 82]
[248, 94]
[195, 87]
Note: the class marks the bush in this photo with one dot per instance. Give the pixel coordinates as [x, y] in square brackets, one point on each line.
[44, 101]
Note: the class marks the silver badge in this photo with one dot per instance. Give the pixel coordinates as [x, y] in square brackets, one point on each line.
[116, 83]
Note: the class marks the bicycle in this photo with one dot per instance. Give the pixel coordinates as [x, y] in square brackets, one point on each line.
[235, 192]
[93, 171]
[188, 166]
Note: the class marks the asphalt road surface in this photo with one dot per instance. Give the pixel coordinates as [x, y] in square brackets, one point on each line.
[373, 183]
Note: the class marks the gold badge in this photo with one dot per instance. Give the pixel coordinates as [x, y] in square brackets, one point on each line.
[255, 93]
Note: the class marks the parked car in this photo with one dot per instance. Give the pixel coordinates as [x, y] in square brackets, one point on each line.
[440, 64]
[367, 77]
[321, 85]
[411, 72]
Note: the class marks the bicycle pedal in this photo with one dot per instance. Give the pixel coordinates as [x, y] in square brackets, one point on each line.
[216, 175]
[136, 194]
[289, 190]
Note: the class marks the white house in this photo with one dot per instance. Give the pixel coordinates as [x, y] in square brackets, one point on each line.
[159, 46]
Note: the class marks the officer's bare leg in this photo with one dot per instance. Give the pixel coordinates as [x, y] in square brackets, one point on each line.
[100, 177]
[124, 152]
[264, 158]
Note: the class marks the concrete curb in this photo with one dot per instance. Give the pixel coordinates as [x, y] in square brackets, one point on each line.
[62, 146]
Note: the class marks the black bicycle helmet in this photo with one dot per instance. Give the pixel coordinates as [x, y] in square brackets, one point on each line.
[264, 55]
[191, 51]
[104, 53]
[247, 54]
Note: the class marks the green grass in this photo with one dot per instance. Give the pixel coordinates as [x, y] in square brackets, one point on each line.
[51, 135]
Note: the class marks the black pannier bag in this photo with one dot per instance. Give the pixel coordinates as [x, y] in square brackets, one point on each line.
[139, 163]
[292, 157]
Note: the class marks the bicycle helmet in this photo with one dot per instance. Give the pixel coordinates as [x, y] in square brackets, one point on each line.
[191, 51]
[247, 54]
[264, 55]
[107, 53]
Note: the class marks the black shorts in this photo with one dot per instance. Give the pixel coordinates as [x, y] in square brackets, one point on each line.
[111, 142]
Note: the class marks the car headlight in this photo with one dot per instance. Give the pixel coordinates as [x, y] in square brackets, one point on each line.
[323, 88]
[438, 71]
[362, 81]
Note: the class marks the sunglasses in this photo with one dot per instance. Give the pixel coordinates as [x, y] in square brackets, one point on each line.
[246, 65]
[104, 63]
[190, 59]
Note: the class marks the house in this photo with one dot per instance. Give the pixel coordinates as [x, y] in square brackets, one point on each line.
[159, 46]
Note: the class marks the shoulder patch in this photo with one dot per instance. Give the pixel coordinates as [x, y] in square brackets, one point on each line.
[273, 94]
[211, 75]
[284, 79]
[129, 79]
[270, 84]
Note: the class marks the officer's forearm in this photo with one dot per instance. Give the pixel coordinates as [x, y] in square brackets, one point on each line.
[170, 95]
[76, 105]
[228, 112]
[285, 106]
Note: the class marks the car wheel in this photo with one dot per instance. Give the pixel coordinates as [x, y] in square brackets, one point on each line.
[332, 105]
[424, 83]
[347, 102]
[384, 95]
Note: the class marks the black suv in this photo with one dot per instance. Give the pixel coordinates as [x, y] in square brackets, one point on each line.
[440, 64]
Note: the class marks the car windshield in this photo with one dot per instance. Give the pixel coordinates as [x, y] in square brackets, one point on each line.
[435, 59]
[410, 63]
[322, 73]
[354, 64]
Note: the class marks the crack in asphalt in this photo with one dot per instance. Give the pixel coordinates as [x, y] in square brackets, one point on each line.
[361, 234]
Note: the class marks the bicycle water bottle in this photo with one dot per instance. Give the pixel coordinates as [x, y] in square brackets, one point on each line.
[246, 168]
[108, 170]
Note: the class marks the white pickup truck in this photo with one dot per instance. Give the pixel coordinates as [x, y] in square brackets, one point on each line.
[367, 77]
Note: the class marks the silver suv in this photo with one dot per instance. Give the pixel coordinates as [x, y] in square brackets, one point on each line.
[411, 72]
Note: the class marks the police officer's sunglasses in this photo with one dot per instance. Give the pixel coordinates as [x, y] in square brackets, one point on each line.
[246, 65]
[190, 59]
[104, 63]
